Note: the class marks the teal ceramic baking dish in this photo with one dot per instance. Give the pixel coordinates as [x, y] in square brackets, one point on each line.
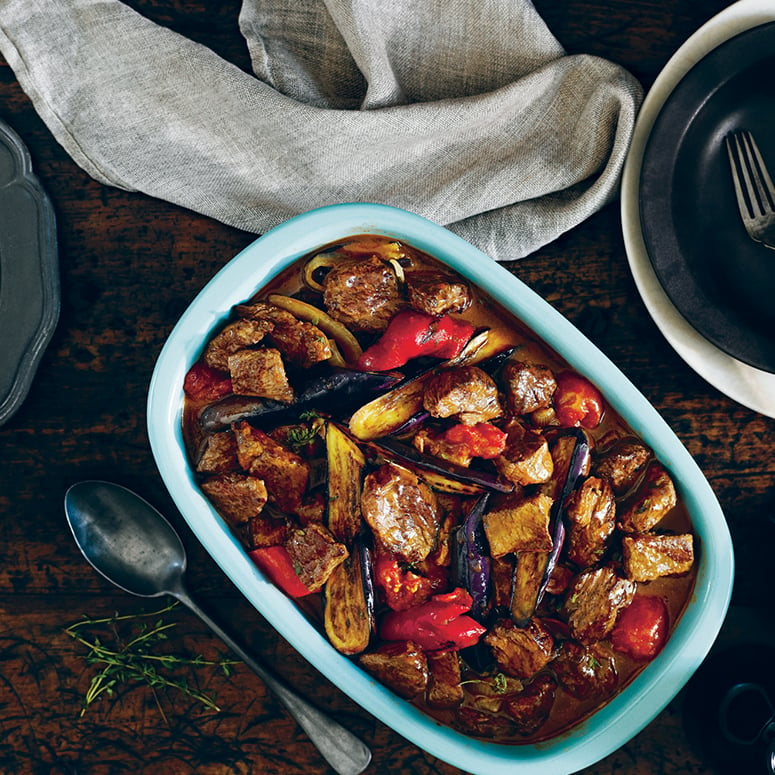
[628, 712]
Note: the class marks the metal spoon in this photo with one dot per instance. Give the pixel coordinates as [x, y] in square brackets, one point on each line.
[132, 545]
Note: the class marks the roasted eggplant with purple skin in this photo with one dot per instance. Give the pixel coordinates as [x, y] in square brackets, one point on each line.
[471, 558]
[533, 570]
[336, 391]
[439, 473]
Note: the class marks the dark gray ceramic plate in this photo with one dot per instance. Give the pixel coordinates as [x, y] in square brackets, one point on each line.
[29, 279]
[719, 279]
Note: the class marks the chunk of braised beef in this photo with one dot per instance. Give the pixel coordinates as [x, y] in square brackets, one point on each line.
[647, 557]
[527, 386]
[436, 293]
[531, 707]
[594, 600]
[260, 373]
[467, 393]
[591, 515]
[299, 341]
[239, 335]
[285, 473]
[444, 689]
[401, 666]
[520, 651]
[585, 671]
[218, 454]
[526, 458]
[482, 724]
[236, 496]
[652, 500]
[315, 553]
[622, 464]
[518, 523]
[402, 511]
[265, 530]
[364, 295]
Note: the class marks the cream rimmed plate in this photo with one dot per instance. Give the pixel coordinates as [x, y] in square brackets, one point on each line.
[745, 384]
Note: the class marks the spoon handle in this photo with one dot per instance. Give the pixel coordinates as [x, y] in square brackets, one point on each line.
[346, 754]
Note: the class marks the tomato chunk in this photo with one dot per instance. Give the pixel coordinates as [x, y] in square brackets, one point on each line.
[483, 439]
[577, 401]
[641, 629]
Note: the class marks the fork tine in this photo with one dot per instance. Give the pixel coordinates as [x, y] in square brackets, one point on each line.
[741, 201]
[761, 176]
[734, 165]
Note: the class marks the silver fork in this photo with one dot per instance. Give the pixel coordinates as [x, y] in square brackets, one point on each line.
[753, 187]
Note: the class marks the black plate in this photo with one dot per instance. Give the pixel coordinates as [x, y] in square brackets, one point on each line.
[29, 281]
[718, 278]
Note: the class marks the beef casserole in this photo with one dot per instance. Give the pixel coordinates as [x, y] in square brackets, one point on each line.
[460, 507]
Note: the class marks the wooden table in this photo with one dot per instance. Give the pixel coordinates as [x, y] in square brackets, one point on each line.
[129, 266]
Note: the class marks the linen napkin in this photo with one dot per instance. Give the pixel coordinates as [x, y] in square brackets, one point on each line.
[467, 112]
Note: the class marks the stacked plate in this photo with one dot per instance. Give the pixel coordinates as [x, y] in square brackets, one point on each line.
[708, 286]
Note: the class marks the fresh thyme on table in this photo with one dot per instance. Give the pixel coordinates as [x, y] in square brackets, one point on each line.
[125, 651]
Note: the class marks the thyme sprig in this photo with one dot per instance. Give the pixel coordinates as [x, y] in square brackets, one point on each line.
[136, 660]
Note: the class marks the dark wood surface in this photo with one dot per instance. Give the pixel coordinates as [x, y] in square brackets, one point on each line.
[129, 265]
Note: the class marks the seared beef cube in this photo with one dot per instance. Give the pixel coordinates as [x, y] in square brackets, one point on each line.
[622, 464]
[444, 689]
[236, 497]
[218, 454]
[519, 524]
[526, 458]
[364, 295]
[593, 602]
[585, 671]
[402, 512]
[532, 706]
[285, 473]
[520, 651]
[527, 386]
[437, 294]
[236, 336]
[298, 340]
[265, 530]
[435, 444]
[402, 666]
[481, 724]
[648, 557]
[591, 514]
[467, 393]
[315, 553]
[653, 499]
[260, 373]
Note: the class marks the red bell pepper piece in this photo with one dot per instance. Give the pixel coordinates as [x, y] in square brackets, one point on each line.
[411, 334]
[641, 629]
[483, 439]
[439, 623]
[276, 563]
[577, 401]
[204, 383]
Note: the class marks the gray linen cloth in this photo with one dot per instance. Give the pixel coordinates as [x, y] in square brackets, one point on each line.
[468, 112]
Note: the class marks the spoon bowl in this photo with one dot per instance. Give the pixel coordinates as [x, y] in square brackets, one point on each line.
[133, 546]
[125, 539]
